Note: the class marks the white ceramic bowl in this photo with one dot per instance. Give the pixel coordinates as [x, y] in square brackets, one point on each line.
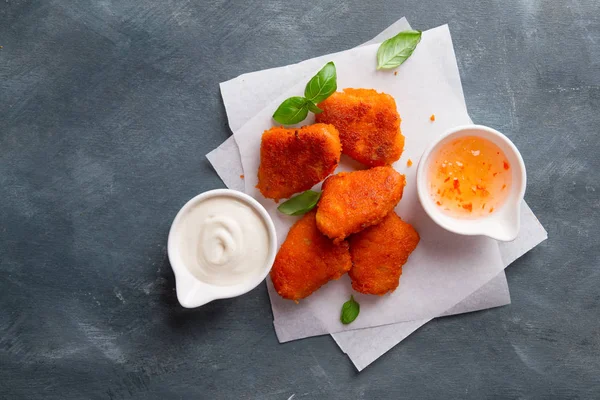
[504, 223]
[192, 292]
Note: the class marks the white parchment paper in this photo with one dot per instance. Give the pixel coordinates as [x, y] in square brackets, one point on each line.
[372, 341]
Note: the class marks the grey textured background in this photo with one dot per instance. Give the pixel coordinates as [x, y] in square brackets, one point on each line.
[106, 111]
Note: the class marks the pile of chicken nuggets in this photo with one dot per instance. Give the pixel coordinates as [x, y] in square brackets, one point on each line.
[354, 228]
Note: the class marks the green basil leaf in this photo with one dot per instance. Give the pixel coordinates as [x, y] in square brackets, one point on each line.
[291, 111]
[313, 108]
[350, 311]
[396, 50]
[322, 85]
[300, 204]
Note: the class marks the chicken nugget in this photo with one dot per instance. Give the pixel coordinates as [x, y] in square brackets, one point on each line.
[294, 160]
[307, 260]
[352, 201]
[369, 125]
[378, 254]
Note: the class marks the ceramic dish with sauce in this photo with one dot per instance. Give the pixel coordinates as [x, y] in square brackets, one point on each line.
[471, 181]
[222, 244]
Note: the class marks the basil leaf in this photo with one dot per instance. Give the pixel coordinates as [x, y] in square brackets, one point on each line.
[396, 50]
[322, 85]
[291, 111]
[350, 311]
[313, 109]
[300, 204]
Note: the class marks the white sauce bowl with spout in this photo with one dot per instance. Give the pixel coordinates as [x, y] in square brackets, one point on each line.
[222, 244]
[504, 223]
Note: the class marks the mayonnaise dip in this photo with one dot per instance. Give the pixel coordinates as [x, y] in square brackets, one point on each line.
[223, 241]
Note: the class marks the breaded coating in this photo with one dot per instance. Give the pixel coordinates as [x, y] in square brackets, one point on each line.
[378, 254]
[369, 125]
[294, 160]
[352, 201]
[307, 260]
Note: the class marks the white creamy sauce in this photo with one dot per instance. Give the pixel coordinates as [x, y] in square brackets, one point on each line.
[223, 241]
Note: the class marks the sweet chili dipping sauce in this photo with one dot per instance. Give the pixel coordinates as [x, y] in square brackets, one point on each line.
[469, 177]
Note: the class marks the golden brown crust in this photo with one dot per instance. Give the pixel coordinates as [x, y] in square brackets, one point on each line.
[369, 125]
[307, 260]
[294, 160]
[352, 201]
[378, 254]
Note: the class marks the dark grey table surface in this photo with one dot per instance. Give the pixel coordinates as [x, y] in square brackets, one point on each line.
[107, 109]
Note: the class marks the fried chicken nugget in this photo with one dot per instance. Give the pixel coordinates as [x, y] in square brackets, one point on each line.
[294, 160]
[378, 254]
[307, 260]
[369, 125]
[352, 201]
